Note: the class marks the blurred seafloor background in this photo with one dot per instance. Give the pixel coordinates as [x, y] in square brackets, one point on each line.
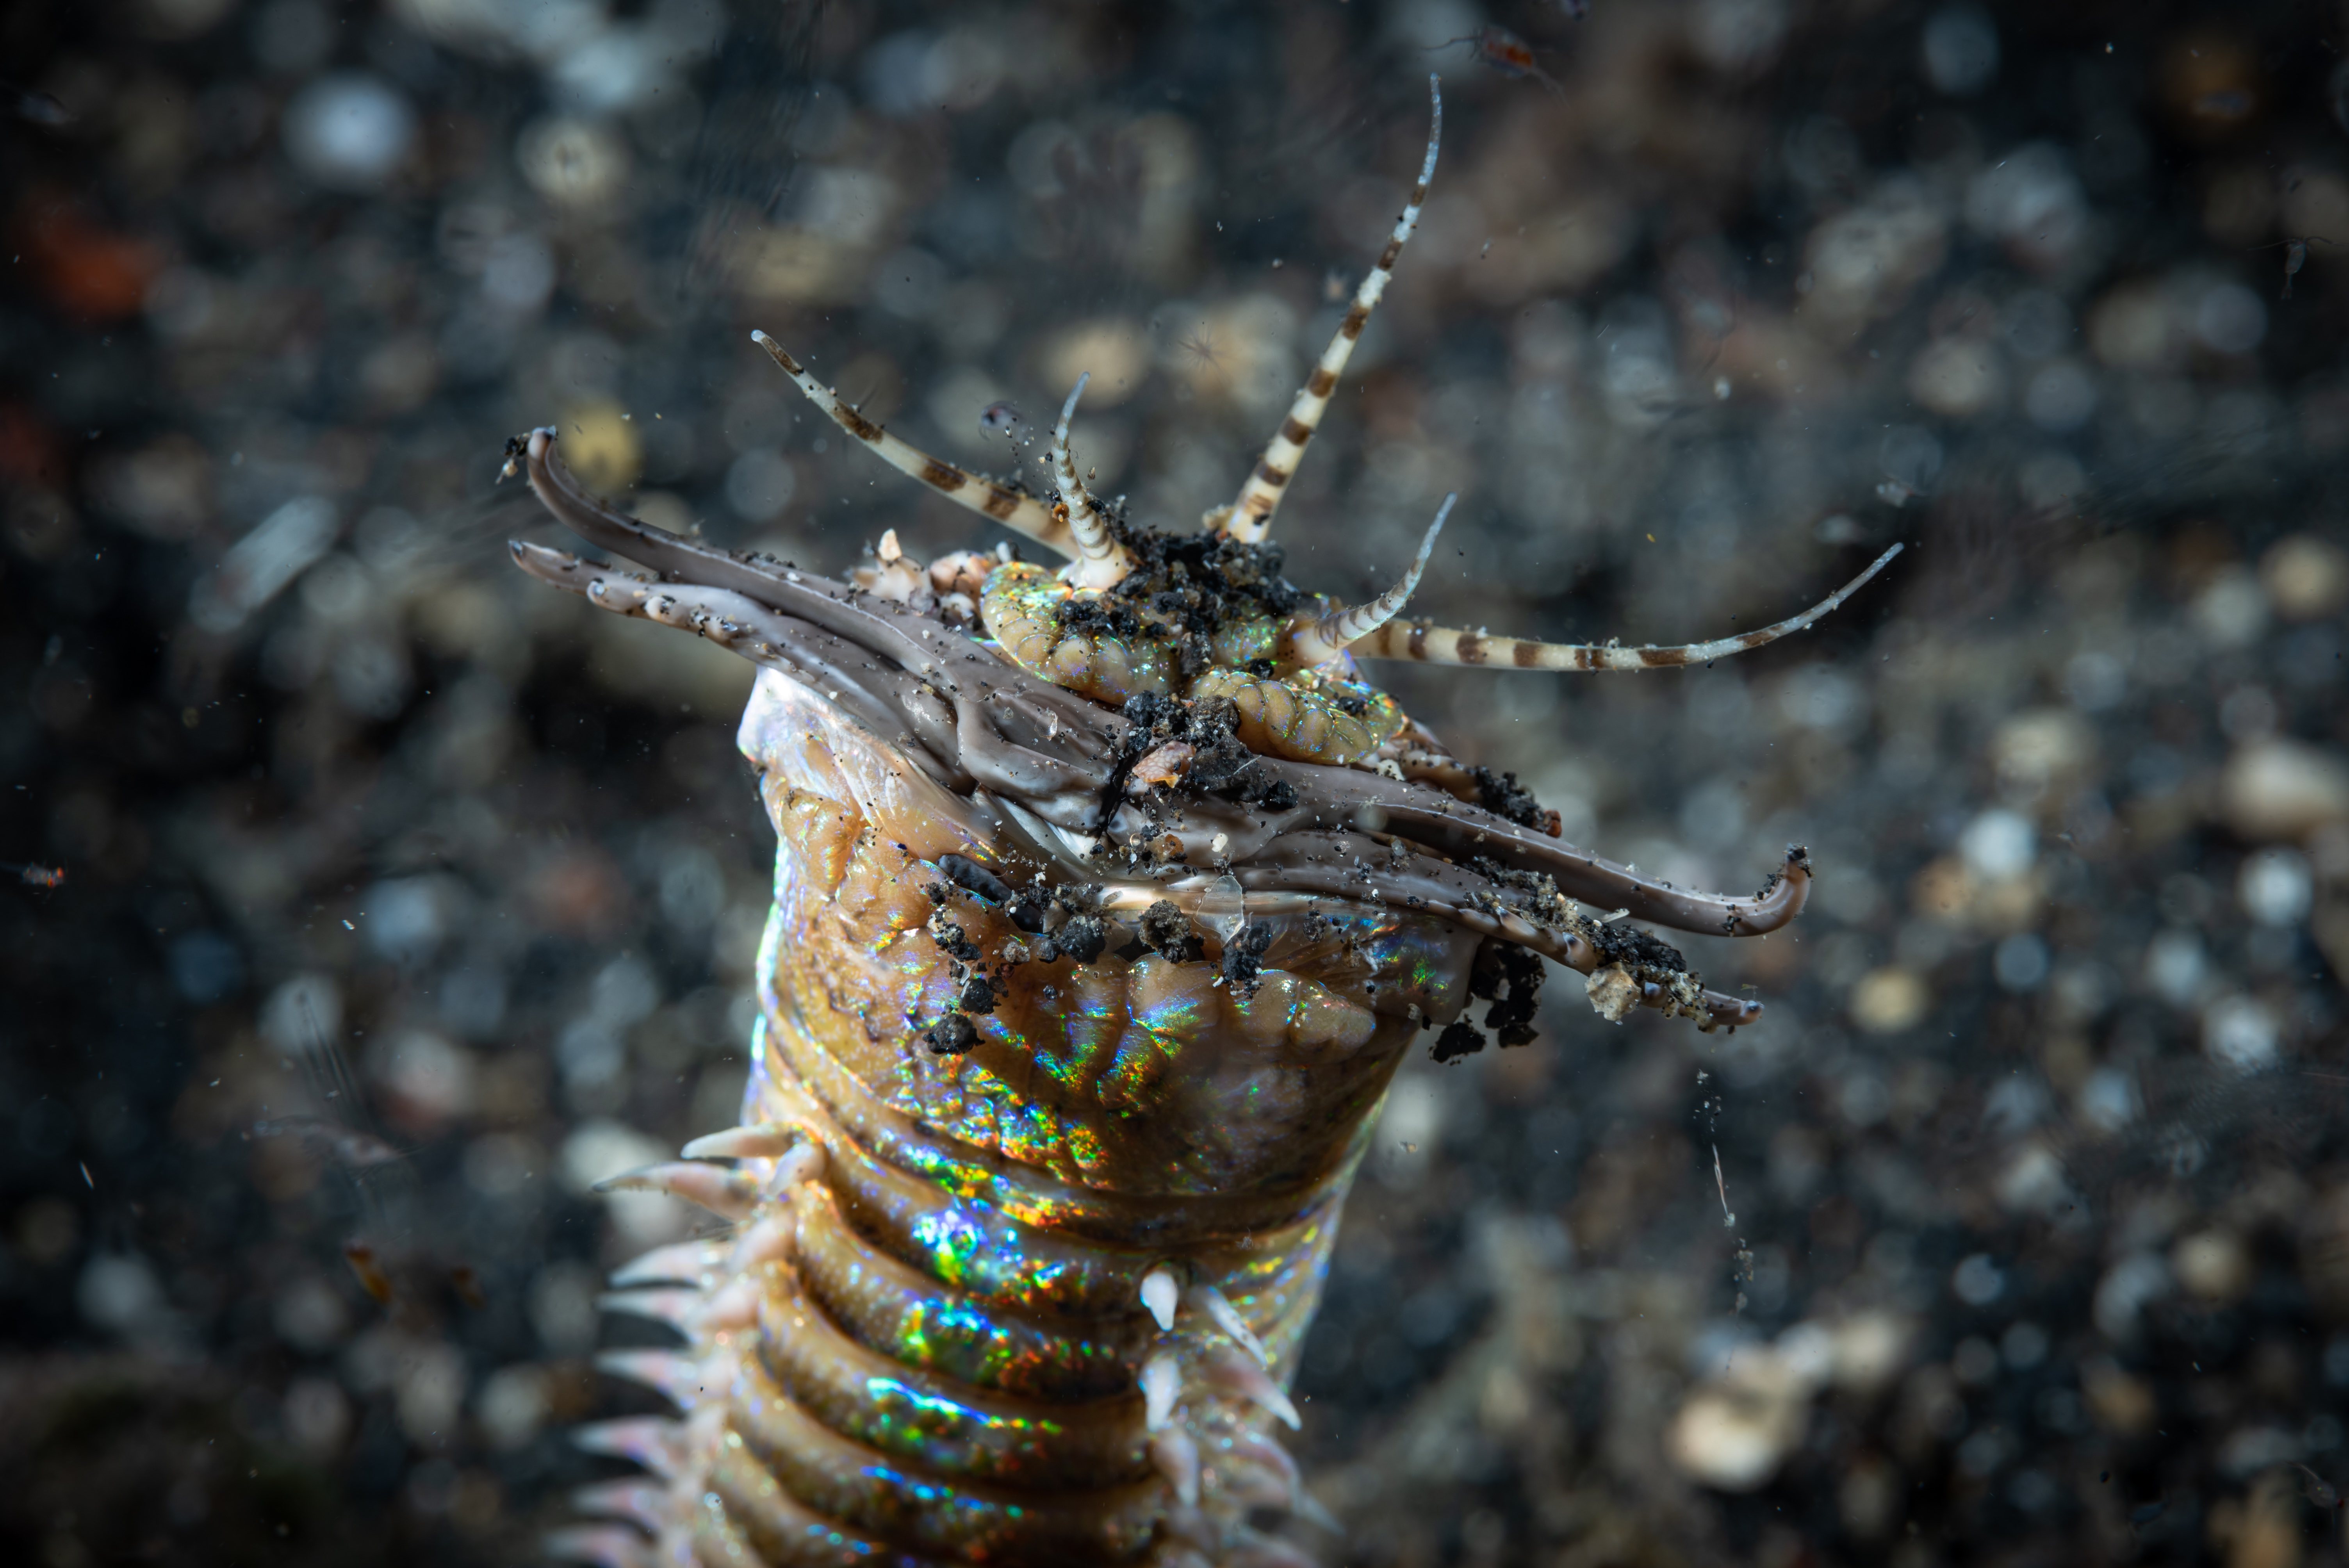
[2040, 1160]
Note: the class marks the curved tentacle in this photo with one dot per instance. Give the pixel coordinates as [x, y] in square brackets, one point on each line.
[1250, 517]
[1020, 513]
[1318, 641]
[1101, 560]
[1447, 645]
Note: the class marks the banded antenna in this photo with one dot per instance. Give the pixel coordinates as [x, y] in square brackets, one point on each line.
[1021, 513]
[1318, 641]
[1102, 561]
[1249, 518]
[1444, 645]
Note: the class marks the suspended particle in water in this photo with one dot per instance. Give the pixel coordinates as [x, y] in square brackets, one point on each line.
[347, 1146]
[37, 108]
[1503, 51]
[467, 1283]
[370, 1271]
[1200, 347]
[2295, 256]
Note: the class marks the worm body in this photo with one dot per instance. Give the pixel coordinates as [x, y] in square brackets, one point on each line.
[1106, 902]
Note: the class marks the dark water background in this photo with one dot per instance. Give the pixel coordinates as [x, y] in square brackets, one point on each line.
[2040, 1162]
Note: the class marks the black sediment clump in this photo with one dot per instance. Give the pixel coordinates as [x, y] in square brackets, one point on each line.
[952, 1036]
[1635, 949]
[1510, 978]
[1166, 931]
[952, 940]
[1535, 896]
[1243, 962]
[1028, 908]
[972, 877]
[1203, 581]
[1099, 615]
[1083, 938]
[1500, 794]
[977, 995]
[1222, 763]
[1459, 1039]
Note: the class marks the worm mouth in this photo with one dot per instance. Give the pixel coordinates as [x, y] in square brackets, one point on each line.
[1058, 786]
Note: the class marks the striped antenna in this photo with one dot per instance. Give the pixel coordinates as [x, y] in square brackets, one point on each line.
[1251, 516]
[1442, 645]
[1325, 639]
[1101, 560]
[1020, 513]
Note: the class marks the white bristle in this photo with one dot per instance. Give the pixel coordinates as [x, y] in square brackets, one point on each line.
[1162, 1383]
[1160, 1294]
[1177, 1457]
[1227, 1316]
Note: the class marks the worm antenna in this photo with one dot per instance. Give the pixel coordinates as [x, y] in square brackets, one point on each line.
[1101, 560]
[1020, 513]
[1251, 516]
[1330, 635]
[1443, 646]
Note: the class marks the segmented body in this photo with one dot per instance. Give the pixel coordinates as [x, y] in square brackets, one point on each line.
[1113, 652]
[1310, 715]
[1023, 606]
[1095, 942]
[982, 1224]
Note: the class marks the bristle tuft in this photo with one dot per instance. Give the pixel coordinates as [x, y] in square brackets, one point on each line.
[640, 1502]
[652, 1441]
[729, 1194]
[604, 1545]
[685, 1262]
[1225, 1316]
[762, 1142]
[677, 1378]
[1236, 1372]
[1175, 1455]
[662, 1304]
[1161, 1385]
[1160, 1295]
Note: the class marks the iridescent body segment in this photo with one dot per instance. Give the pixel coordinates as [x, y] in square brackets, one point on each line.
[1112, 652]
[1308, 715]
[950, 1344]
[1023, 605]
[1106, 901]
